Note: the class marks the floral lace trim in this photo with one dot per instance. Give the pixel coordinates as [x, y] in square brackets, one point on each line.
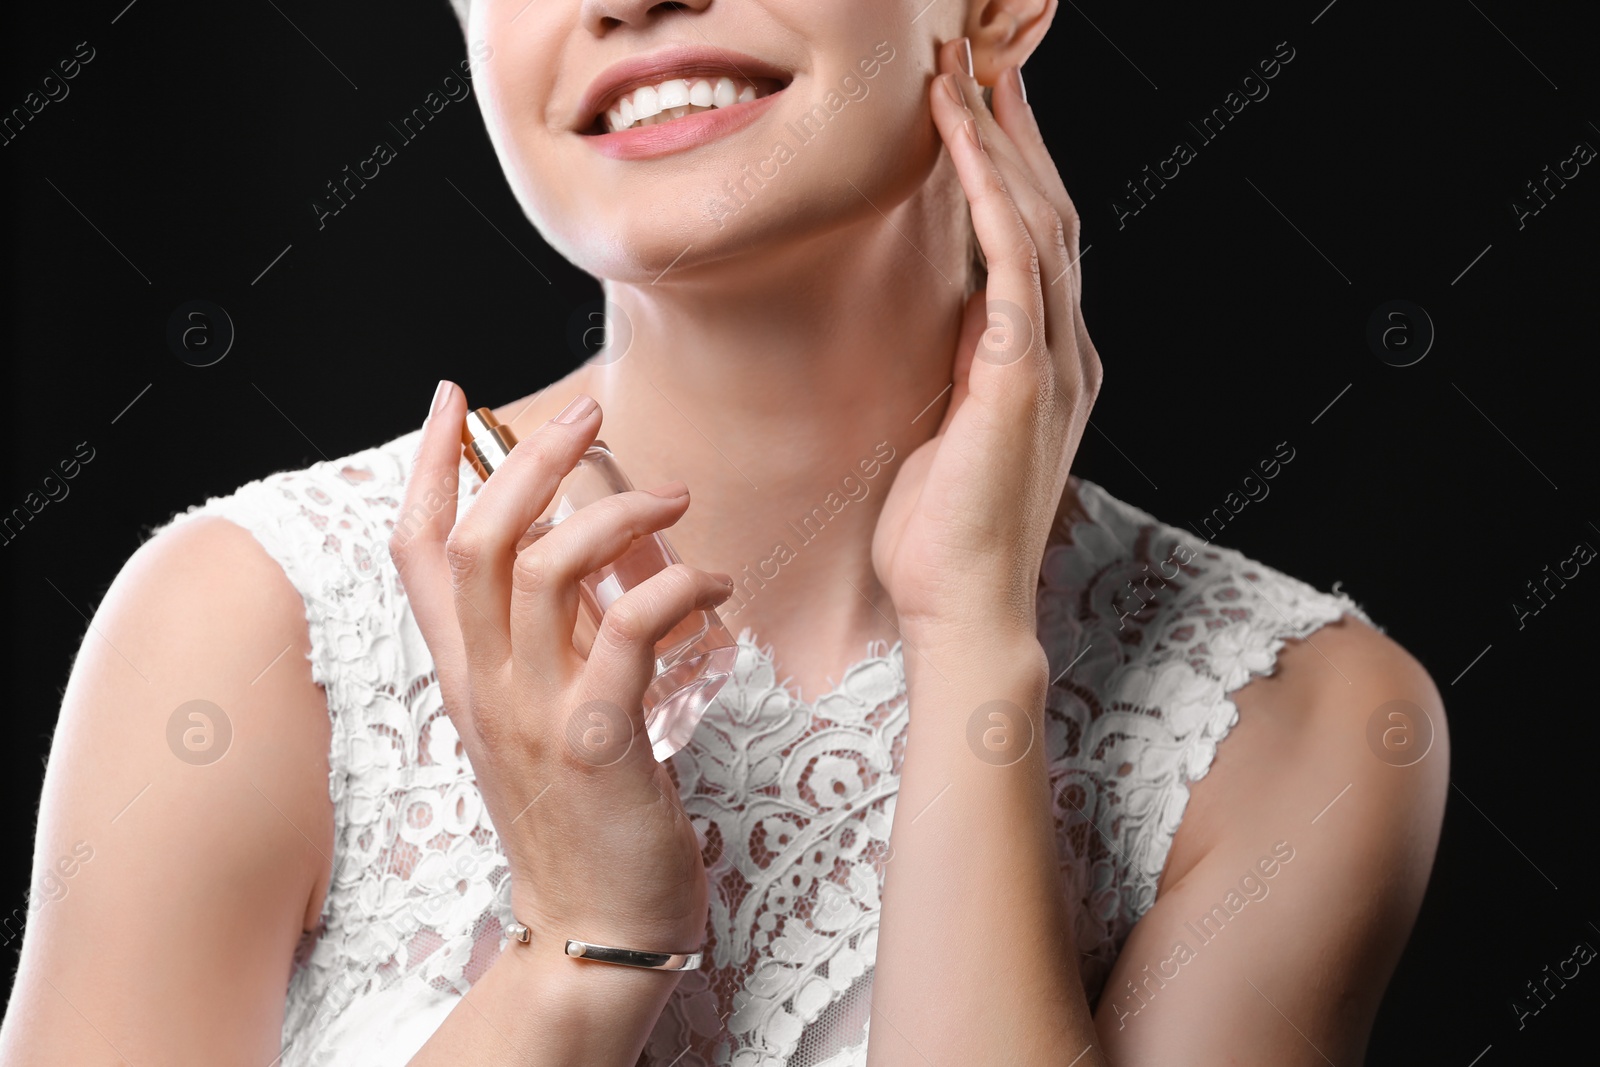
[1148, 631]
[794, 801]
[418, 889]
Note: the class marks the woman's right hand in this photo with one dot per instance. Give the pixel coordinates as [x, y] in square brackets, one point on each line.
[597, 841]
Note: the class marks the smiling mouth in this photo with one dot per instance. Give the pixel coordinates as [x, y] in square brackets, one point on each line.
[671, 99]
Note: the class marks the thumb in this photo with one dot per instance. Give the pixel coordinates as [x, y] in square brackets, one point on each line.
[974, 321]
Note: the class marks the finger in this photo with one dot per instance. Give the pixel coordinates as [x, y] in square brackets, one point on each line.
[1048, 231]
[1035, 184]
[974, 320]
[1014, 114]
[483, 546]
[417, 543]
[996, 140]
[1014, 296]
[544, 582]
[622, 661]
[1039, 213]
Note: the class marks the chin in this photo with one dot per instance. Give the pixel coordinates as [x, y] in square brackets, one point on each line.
[636, 160]
[756, 194]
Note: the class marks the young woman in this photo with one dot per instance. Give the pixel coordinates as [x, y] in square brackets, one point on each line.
[1008, 771]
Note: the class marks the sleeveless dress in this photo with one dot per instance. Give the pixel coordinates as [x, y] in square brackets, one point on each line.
[1148, 630]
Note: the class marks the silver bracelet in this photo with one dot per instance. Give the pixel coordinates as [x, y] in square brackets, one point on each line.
[627, 957]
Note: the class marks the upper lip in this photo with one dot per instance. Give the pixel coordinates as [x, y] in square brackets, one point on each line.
[679, 62]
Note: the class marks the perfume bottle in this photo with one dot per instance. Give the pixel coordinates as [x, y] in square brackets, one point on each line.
[695, 659]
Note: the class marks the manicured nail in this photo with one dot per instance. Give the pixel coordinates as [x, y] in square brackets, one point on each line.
[966, 55]
[951, 87]
[1022, 90]
[970, 128]
[441, 395]
[581, 408]
[671, 491]
[725, 579]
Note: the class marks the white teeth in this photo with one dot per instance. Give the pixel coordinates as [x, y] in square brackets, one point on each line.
[673, 94]
[646, 103]
[674, 99]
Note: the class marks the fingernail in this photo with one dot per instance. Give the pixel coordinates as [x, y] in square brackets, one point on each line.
[725, 579]
[581, 408]
[671, 491]
[1022, 89]
[966, 55]
[441, 395]
[970, 128]
[954, 90]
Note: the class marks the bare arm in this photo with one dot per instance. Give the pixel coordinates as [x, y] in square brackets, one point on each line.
[609, 856]
[169, 894]
[976, 958]
[172, 937]
[1288, 897]
[974, 962]
[542, 1009]
[1298, 871]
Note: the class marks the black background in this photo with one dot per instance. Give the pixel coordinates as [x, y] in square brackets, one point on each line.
[1229, 313]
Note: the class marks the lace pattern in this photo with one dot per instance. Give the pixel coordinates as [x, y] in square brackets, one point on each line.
[1148, 630]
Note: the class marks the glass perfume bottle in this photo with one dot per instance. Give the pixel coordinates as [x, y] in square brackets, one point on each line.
[695, 659]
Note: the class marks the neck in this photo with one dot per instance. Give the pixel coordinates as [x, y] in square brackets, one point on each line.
[787, 398]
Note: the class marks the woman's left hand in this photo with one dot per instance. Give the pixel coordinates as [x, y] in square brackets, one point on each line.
[959, 543]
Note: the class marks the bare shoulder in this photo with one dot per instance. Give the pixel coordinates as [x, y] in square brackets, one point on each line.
[202, 628]
[1298, 868]
[217, 635]
[185, 826]
[1348, 718]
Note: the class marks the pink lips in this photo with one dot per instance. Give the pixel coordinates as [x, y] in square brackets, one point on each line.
[679, 61]
[678, 135]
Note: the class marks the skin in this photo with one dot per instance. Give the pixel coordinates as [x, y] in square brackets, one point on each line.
[818, 322]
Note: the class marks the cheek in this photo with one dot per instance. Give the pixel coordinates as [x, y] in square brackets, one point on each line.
[868, 146]
[534, 155]
[515, 66]
[822, 158]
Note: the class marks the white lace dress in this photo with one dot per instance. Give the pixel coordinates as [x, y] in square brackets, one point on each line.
[1148, 631]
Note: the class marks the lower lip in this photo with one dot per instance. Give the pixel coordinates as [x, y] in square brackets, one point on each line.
[680, 135]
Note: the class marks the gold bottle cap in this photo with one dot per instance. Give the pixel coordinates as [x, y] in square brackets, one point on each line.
[485, 441]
